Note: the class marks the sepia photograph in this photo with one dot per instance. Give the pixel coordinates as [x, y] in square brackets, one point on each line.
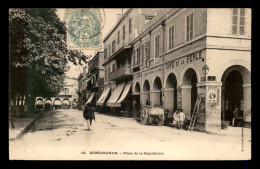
[129, 84]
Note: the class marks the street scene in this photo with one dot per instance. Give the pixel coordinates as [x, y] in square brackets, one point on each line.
[130, 84]
[63, 135]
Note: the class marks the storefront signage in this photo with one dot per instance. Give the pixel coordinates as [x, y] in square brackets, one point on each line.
[185, 60]
[212, 96]
[138, 75]
[153, 71]
[179, 97]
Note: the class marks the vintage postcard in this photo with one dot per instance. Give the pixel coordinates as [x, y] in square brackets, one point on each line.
[130, 84]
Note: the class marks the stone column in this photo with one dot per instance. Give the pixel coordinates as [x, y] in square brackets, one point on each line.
[247, 104]
[168, 99]
[201, 117]
[186, 100]
[213, 106]
[145, 96]
[155, 97]
[223, 103]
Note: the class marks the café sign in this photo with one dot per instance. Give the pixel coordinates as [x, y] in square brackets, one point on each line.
[185, 60]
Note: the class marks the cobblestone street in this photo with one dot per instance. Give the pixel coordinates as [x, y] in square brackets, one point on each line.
[62, 135]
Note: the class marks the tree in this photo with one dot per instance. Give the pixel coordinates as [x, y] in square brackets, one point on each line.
[38, 53]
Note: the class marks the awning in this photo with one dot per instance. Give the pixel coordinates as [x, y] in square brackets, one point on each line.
[103, 97]
[115, 95]
[90, 97]
[123, 96]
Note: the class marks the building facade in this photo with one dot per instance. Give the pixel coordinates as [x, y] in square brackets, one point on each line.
[171, 51]
[82, 87]
[95, 81]
[117, 57]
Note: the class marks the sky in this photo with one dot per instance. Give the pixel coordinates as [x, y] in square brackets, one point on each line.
[110, 21]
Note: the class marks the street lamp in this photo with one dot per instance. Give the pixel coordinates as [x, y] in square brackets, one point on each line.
[205, 70]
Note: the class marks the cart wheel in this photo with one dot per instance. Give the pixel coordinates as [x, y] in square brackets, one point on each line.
[144, 116]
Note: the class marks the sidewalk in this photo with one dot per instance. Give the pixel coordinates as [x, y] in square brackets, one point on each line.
[22, 124]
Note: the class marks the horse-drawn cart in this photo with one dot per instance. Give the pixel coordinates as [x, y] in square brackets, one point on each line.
[151, 115]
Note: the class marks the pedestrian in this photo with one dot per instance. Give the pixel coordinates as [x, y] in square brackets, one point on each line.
[176, 118]
[235, 115]
[12, 111]
[181, 119]
[147, 102]
[88, 114]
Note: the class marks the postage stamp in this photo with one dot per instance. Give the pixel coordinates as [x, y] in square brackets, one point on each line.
[83, 29]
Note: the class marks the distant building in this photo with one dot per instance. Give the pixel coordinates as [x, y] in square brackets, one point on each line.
[83, 94]
[66, 99]
[95, 78]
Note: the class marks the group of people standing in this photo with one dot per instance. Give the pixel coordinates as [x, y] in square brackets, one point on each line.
[179, 118]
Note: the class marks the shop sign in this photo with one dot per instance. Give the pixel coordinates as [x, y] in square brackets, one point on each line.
[137, 75]
[153, 71]
[185, 60]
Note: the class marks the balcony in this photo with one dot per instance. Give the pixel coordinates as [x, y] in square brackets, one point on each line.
[120, 73]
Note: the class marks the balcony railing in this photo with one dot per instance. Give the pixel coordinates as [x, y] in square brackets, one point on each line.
[121, 72]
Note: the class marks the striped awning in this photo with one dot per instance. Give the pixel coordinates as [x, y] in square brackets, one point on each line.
[90, 98]
[123, 96]
[103, 97]
[115, 95]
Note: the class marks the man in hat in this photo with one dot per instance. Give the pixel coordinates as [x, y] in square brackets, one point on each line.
[88, 114]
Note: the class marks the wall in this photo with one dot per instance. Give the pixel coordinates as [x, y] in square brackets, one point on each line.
[219, 22]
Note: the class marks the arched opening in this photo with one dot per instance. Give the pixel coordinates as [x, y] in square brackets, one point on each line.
[157, 92]
[146, 93]
[39, 104]
[137, 88]
[57, 103]
[48, 104]
[66, 103]
[233, 93]
[189, 91]
[137, 100]
[170, 94]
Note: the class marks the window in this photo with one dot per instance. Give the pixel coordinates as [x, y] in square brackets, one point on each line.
[238, 21]
[138, 55]
[134, 57]
[113, 46]
[113, 67]
[105, 74]
[189, 27]
[130, 25]
[66, 90]
[142, 55]
[147, 53]
[109, 50]
[171, 37]
[157, 46]
[118, 37]
[123, 32]
[105, 53]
